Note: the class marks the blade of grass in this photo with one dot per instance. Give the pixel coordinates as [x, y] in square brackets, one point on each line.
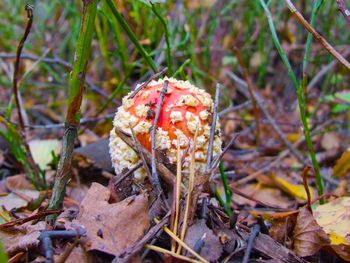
[221, 201]
[132, 36]
[76, 90]
[180, 70]
[300, 97]
[315, 8]
[225, 184]
[166, 36]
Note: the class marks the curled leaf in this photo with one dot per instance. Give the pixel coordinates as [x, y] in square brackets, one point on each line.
[309, 237]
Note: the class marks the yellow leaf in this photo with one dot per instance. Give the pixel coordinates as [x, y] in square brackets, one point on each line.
[293, 137]
[333, 217]
[343, 164]
[296, 190]
[41, 151]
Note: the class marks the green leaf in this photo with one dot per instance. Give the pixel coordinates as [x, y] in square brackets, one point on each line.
[345, 96]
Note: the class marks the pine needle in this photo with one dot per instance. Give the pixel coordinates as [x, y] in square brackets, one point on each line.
[183, 244]
[189, 191]
[178, 191]
[171, 253]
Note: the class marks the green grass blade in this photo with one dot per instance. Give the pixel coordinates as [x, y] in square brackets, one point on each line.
[167, 39]
[301, 99]
[132, 36]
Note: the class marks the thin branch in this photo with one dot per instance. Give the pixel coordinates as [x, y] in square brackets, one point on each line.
[279, 158]
[154, 76]
[130, 171]
[253, 234]
[22, 131]
[213, 126]
[250, 87]
[29, 10]
[83, 121]
[306, 186]
[154, 178]
[261, 105]
[219, 157]
[65, 64]
[138, 148]
[166, 174]
[324, 71]
[317, 36]
[343, 9]
[235, 108]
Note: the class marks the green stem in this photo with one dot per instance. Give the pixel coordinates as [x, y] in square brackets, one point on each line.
[181, 68]
[76, 90]
[228, 194]
[222, 203]
[167, 41]
[132, 36]
[301, 99]
[315, 8]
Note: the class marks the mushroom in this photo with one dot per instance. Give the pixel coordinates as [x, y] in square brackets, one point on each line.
[185, 109]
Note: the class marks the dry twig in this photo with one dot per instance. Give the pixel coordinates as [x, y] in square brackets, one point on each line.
[130, 171]
[154, 178]
[344, 11]
[242, 87]
[154, 76]
[138, 148]
[16, 93]
[166, 174]
[213, 127]
[317, 36]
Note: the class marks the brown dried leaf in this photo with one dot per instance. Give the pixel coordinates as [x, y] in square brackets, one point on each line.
[212, 248]
[282, 228]
[308, 235]
[21, 238]
[13, 201]
[267, 195]
[112, 227]
[18, 181]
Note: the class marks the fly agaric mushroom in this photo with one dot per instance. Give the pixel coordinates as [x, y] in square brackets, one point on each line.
[185, 109]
